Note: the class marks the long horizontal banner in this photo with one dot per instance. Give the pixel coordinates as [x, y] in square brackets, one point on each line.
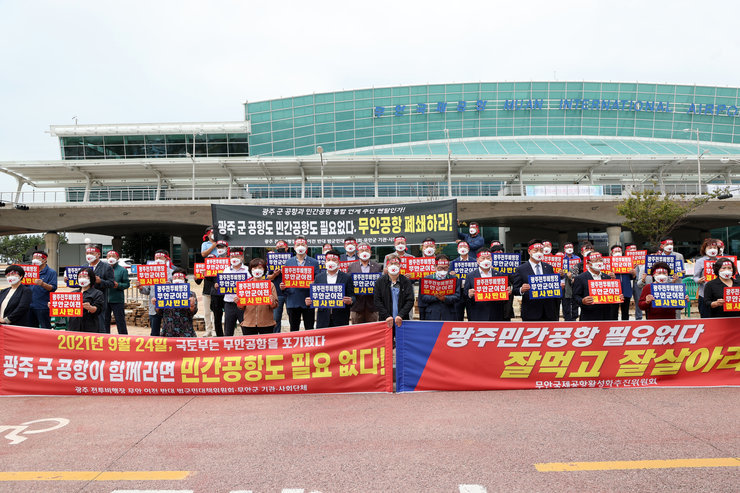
[529, 355]
[259, 226]
[340, 359]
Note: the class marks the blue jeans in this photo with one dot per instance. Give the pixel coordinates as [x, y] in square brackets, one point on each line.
[278, 314]
[155, 321]
[40, 318]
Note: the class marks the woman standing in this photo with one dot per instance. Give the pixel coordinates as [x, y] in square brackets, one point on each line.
[708, 251]
[259, 319]
[178, 322]
[93, 303]
[714, 291]
[15, 301]
[659, 272]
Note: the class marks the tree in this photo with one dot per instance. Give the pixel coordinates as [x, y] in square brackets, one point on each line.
[653, 215]
[14, 247]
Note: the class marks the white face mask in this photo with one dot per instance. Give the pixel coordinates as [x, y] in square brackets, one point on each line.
[350, 248]
[235, 261]
[90, 258]
[725, 274]
[597, 266]
[257, 273]
[300, 250]
[538, 256]
[721, 251]
[441, 274]
[178, 280]
[36, 261]
[221, 251]
[617, 253]
[401, 247]
[547, 250]
[661, 278]
[364, 255]
[429, 251]
[668, 249]
[473, 231]
[586, 253]
[160, 261]
[332, 266]
[463, 251]
[569, 251]
[394, 269]
[112, 260]
[83, 282]
[13, 280]
[712, 252]
[485, 264]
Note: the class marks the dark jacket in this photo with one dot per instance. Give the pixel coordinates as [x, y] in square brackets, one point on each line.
[441, 310]
[296, 297]
[89, 322]
[483, 311]
[335, 317]
[535, 310]
[384, 299]
[590, 312]
[19, 306]
[715, 290]
[105, 272]
[364, 302]
[120, 275]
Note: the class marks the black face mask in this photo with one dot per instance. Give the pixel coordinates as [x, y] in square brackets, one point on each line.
[282, 250]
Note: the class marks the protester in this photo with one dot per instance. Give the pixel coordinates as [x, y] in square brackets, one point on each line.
[545, 309]
[276, 277]
[667, 248]
[334, 317]
[295, 298]
[509, 306]
[178, 322]
[116, 295]
[93, 304]
[259, 319]
[631, 247]
[207, 249]
[45, 284]
[575, 268]
[15, 300]
[484, 311]
[217, 299]
[363, 309]
[546, 247]
[350, 248]
[473, 238]
[721, 247]
[155, 317]
[625, 281]
[714, 291]
[441, 307]
[103, 279]
[233, 314]
[401, 250]
[463, 303]
[428, 249]
[708, 252]
[393, 294]
[589, 309]
[659, 272]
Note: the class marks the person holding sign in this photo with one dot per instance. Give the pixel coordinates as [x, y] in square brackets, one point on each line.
[178, 322]
[155, 318]
[463, 303]
[575, 268]
[589, 309]
[440, 306]
[485, 311]
[233, 315]
[399, 245]
[104, 278]
[350, 247]
[363, 309]
[116, 295]
[15, 301]
[295, 298]
[472, 238]
[276, 277]
[660, 274]
[714, 291]
[207, 249]
[334, 317]
[618, 263]
[541, 309]
[93, 304]
[707, 256]
[45, 284]
[393, 294]
[259, 319]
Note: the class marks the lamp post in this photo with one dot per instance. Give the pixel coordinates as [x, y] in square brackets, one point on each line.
[320, 150]
[698, 153]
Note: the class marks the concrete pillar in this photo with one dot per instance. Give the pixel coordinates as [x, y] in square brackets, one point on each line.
[502, 237]
[628, 237]
[51, 245]
[563, 239]
[613, 233]
[117, 244]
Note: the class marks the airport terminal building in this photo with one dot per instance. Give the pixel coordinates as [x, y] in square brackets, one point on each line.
[520, 157]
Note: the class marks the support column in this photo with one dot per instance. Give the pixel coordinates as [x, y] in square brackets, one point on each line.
[628, 237]
[613, 233]
[117, 244]
[51, 245]
[502, 237]
[563, 239]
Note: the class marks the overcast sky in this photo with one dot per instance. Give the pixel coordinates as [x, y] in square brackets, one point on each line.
[180, 61]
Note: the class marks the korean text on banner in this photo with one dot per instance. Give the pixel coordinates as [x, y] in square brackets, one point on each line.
[70, 273]
[253, 293]
[605, 291]
[553, 355]
[297, 276]
[31, 273]
[668, 295]
[732, 299]
[438, 287]
[709, 274]
[199, 270]
[364, 282]
[172, 295]
[149, 275]
[418, 267]
[327, 295]
[491, 288]
[339, 359]
[65, 304]
[545, 286]
[638, 257]
[216, 265]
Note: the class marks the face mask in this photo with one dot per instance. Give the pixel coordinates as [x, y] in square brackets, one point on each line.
[585, 253]
[441, 274]
[597, 266]
[36, 261]
[617, 253]
[112, 260]
[538, 256]
[547, 250]
[235, 261]
[401, 247]
[394, 269]
[83, 282]
[90, 258]
[160, 261]
[725, 274]
[661, 277]
[462, 251]
[300, 250]
[486, 264]
[257, 273]
[332, 266]
[668, 249]
[721, 251]
[712, 252]
[364, 255]
[429, 251]
[178, 280]
[221, 251]
[473, 231]
[350, 248]
[569, 251]
[13, 280]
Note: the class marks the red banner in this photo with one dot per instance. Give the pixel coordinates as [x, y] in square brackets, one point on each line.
[344, 265]
[338, 359]
[556, 261]
[297, 276]
[253, 293]
[151, 274]
[65, 304]
[491, 288]
[436, 287]
[541, 355]
[605, 291]
[30, 274]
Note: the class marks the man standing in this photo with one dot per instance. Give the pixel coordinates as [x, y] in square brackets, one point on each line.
[463, 303]
[399, 244]
[590, 310]
[207, 249]
[350, 247]
[103, 274]
[116, 295]
[45, 284]
[473, 238]
[484, 311]
[334, 317]
[441, 307]
[394, 294]
[546, 309]
[363, 309]
[575, 267]
[217, 299]
[276, 277]
[233, 315]
[295, 298]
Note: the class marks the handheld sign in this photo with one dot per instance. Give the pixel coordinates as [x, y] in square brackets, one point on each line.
[71, 274]
[505, 263]
[732, 299]
[607, 266]
[651, 260]
[462, 268]
[545, 286]
[364, 283]
[297, 276]
[556, 261]
[199, 270]
[214, 265]
[668, 295]
[321, 258]
[606, 291]
[253, 293]
[709, 267]
[621, 264]
[638, 257]
[149, 275]
[31, 273]
[227, 281]
[172, 295]
[491, 288]
[344, 265]
[436, 287]
[327, 295]
[420, 267]
[276, 260]
[65, 304]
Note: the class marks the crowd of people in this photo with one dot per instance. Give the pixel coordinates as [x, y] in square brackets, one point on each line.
[393, 298]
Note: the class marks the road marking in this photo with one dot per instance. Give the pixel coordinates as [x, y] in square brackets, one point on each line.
[93, 475]
[637, 464]
[14, 432]
[472, 488]
[152, 491]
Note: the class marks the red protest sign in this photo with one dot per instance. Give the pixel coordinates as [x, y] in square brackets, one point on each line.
[556, 261]
[31, 274]
[65, 304]
[638, 256]
[732, 299]
[199, 270]
[151, 274]
[436, 287]
[491, 288]
[416, 268]
[605, 291]
[344, 265]
[709, 274]
[621, 264]
[215, 266]
[297, 276]
[253, 293]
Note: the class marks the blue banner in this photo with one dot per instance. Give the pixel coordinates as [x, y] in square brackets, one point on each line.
[506, 263]
[172, 295]
[364, 283]
[462, 268]
[651, 260]
[71, 274]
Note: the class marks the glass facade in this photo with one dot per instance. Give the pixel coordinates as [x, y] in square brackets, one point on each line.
[396, 115]
[154, 146]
